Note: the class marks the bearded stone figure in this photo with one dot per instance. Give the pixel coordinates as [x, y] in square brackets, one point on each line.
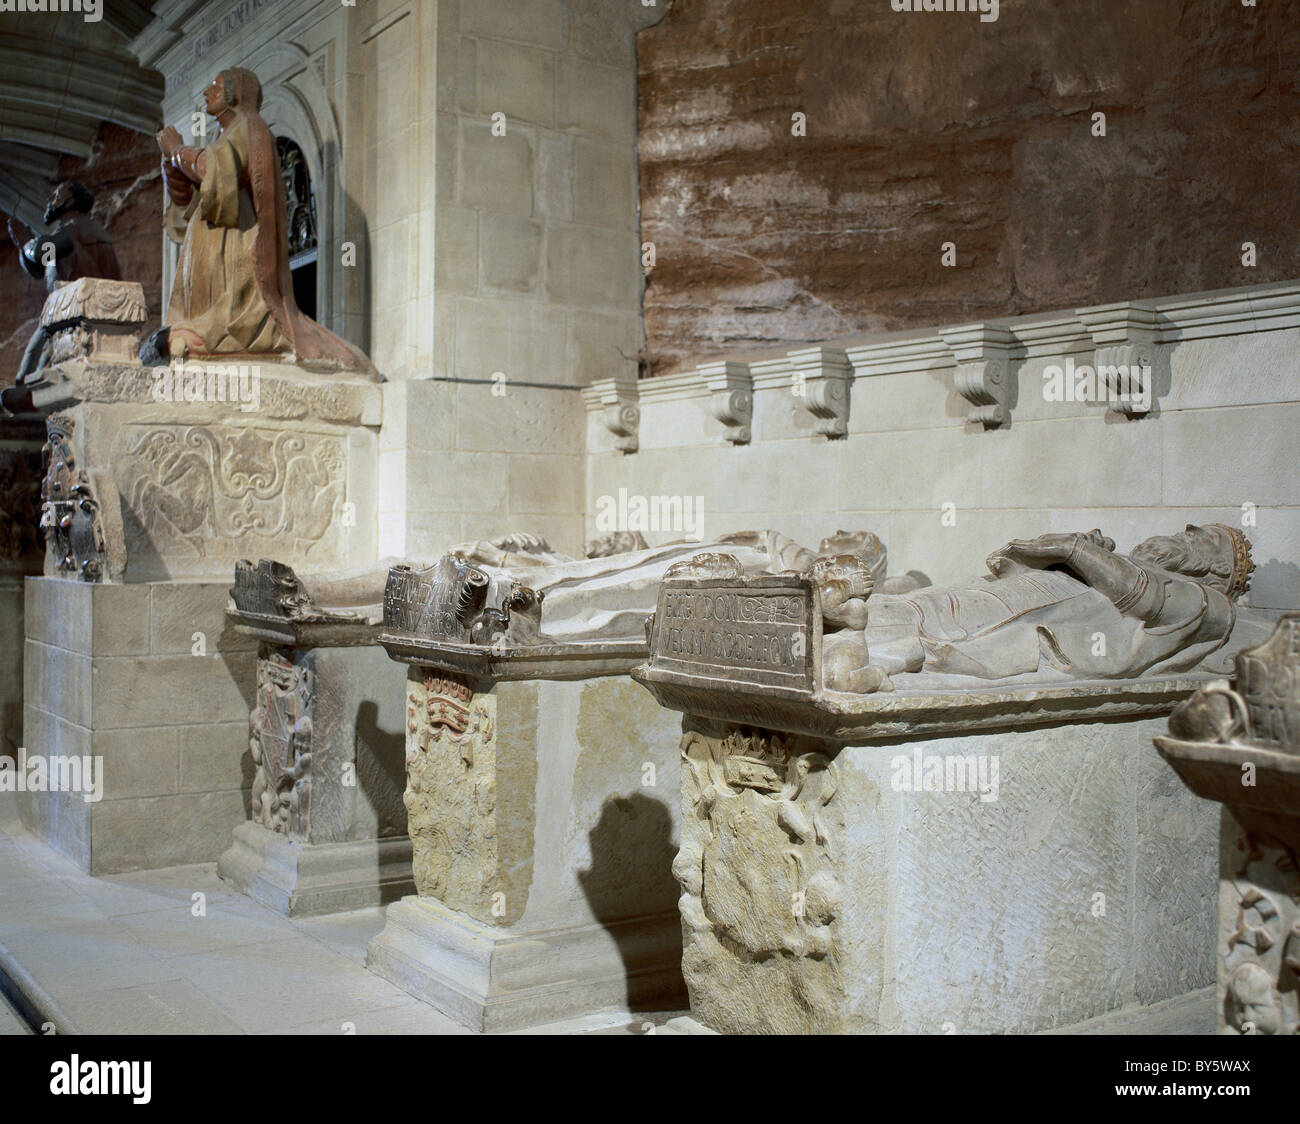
[233, 293]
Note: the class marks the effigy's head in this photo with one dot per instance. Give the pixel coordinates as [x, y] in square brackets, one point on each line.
[1216, 555]
[70, 195]
[865, 547]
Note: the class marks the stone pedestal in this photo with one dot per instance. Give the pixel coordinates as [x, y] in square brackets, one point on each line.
[1004, 860]
[543, 817]
[179, 472]
[818, 898]
[157, 480]
[148, 683]
[1241, 748]
[328, 827]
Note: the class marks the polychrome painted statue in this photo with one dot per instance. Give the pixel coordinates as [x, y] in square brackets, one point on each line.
[233, 293]
[1058, 607]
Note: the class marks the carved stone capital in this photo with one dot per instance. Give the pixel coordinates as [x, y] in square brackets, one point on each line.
[823, 381]
[620, 412]
[731, 397]
[1126, 357]
[983, 356]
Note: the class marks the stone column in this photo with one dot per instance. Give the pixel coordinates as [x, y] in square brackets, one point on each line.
[1241, 748]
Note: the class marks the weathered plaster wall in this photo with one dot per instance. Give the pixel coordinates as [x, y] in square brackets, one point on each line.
[924, 128]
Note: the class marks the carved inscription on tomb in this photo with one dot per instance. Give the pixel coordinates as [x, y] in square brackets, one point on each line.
[1268, 680]
[441, 602]
[761, 893]
[280, 742]
[253, 488]
[451, 774]
[759, 631]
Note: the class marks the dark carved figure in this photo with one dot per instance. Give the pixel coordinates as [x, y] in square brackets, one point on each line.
[77, 246]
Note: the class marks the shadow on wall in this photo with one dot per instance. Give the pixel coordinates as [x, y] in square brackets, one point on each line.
[630, 878]
[381, 769]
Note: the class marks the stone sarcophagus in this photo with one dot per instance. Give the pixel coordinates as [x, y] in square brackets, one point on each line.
[1240, 747]
[541, 801]
[881, 833]
[328, 825]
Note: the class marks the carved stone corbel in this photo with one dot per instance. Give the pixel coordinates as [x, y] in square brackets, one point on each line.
[1125, 356]
[731, 397]
[621, 413]
[983, 375]
[823, 380]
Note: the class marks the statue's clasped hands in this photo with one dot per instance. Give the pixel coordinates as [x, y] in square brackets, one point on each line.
[1045, 550]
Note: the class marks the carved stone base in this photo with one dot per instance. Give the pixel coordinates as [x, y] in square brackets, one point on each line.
[823, 892]
[299, 879]
[492, 979]
[246, 460]
[543, 822]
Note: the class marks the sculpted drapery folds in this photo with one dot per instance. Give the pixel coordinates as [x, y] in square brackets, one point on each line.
[233, 293]
[1063, 606]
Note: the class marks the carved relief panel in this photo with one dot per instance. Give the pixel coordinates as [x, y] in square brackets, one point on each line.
[761, 891]
[69, 510]
[228, 490]
[280, 741]
[451, 794]
[1259, 947]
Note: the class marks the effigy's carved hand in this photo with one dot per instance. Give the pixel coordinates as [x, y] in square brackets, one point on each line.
[1046, 550]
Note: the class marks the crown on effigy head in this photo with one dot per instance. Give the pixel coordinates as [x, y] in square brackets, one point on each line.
[1242, 563]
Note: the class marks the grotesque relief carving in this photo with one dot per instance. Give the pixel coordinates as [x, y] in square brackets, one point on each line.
[69, 509]
[1261, 955]
[280, 743]
[245, 485]
[451, 793]
[761, 894]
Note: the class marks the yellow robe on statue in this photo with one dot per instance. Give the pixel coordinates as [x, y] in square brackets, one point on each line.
[215, 294]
